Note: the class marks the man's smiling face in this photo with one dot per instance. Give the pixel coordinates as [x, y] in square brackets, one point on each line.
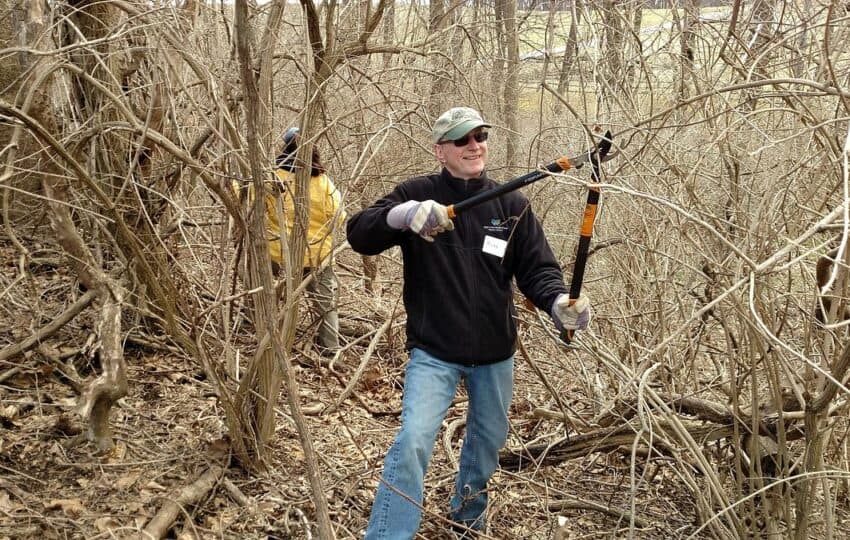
[466, 161]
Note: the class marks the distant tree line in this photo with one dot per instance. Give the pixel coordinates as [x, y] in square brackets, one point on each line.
[563, 5]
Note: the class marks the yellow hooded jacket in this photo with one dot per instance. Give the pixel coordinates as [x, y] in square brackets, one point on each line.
[325, 218]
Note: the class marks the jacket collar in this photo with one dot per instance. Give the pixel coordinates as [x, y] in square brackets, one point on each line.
[463, 187]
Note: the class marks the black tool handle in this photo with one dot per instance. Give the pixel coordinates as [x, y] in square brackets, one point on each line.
[559, 165]
[586, 231]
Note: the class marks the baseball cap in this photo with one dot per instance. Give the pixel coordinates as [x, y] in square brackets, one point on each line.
[290, 134]
[455, 123]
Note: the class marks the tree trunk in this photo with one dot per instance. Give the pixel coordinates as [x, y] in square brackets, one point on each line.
[637, 49]
[687, 31]
[389, 33]
[439, 21]
[263, 376]
[501, 53]
[571, 49]
[511, 78]
[96, 402]
[29, 83]
[22, 24]
[609, 74]
[817, 436]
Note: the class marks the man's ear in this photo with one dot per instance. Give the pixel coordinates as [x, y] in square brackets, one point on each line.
[438, 153]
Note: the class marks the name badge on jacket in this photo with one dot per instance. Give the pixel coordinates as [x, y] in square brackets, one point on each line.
[494, 246]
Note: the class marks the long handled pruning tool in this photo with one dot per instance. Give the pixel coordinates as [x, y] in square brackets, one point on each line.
[595, 157]
[586, 231]
[562, 164]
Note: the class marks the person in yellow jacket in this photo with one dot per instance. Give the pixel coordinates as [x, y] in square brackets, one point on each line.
[326, 218]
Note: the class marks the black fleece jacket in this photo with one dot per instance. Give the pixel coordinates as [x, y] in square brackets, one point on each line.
[458, 297]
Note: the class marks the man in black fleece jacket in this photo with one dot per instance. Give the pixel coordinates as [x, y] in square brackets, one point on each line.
[460, 316]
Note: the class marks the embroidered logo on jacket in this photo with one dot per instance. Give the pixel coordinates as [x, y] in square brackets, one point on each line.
[497, 225]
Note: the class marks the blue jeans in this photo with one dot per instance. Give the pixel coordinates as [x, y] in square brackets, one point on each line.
[429, 387]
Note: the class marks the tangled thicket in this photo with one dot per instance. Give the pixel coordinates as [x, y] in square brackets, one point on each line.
[144, 345]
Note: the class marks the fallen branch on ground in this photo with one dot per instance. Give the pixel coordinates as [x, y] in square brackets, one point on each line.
[49, 329]
[159, 525]
[610, 438]
[580, 504]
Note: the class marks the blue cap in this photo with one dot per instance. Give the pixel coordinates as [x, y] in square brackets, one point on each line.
[290, 134]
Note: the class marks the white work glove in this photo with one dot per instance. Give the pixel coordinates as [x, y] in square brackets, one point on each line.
[426, 218]
[571, 315]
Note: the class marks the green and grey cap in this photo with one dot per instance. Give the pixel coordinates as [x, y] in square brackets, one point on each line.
[455, 123]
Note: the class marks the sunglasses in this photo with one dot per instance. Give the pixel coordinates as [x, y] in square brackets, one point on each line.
[480, 137]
